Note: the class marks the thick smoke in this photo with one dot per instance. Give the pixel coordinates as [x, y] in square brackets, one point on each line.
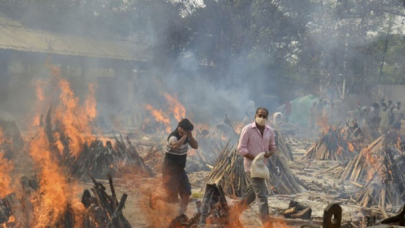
[206, 93]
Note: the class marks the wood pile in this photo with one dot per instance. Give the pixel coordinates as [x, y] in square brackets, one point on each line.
[282, 146]
[371, 131]
[370, 159]
[378, 171]
[102, 209]
[215, 209]
[99, 160]
[332, 146]
[229, 173]
[99, 210]
[154, 158]
[387, 185]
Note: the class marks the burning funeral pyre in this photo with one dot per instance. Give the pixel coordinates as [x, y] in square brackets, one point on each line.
[96, 210]
[378, 171]
[50, 197]
[99, 160]
[333, 145]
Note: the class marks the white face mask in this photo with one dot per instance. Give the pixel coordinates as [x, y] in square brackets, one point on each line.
[261, 121]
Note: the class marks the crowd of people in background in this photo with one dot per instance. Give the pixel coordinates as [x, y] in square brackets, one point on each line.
[382, 115]
[322, 114]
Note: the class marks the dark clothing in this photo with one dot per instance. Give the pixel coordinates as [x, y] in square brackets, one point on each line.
[172, 161]
[175, 179]
[257, 187]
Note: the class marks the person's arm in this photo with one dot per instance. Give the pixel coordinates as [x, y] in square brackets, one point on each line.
[176, 144]
[272, 146]
[193, 142]
[243, 142]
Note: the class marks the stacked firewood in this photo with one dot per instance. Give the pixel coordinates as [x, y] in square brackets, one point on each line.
[283, 147]
[229, 173]
[99, 160]
[371, 131]
[154, 158]
[365, 164]
[101, 209]
[378, 171]
[386, 186]
[331, 146]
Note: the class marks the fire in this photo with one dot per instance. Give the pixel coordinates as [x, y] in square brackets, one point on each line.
[55, 192]
[350, 146]
[1, 136]
[323, 123]
[238, 127]
[223, 137]
[159, 116]
[372, 162]
[39, 91]
[90, 103]
[175, 107]
[5, 180]
[71, 116]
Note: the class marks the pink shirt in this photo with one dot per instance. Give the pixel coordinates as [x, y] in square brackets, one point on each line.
[252, 142]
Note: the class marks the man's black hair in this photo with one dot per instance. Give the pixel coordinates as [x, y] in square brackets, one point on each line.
[261, 108]
[186, 125]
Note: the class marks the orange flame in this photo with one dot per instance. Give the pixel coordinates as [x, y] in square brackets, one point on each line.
[74, 123]
[323, 123]
[372, 162]
[55, 192]
[1, 136]
[159, 116]
[5, 180]
[350, 146]
[175, 107]
[90, 103]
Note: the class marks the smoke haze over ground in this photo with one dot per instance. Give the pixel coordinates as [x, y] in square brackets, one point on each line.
[218, 58]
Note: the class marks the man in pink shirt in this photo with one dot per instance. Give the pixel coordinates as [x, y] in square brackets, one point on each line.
[255, 138]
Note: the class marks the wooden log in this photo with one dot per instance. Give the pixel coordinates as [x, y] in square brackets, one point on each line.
[383, 212]
[303, 214]
[356, 184]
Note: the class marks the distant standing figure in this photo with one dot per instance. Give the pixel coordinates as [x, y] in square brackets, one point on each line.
[385, 119]
[287, 110]
[319, 113]
[312, 116]
[398, 116]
